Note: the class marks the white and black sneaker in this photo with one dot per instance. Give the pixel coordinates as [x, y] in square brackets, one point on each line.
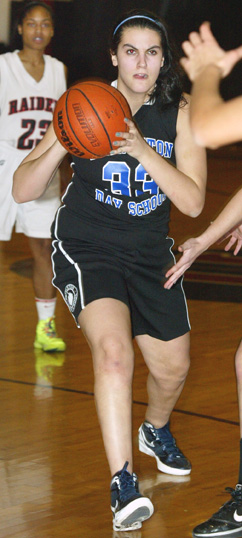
[129, 507]
[162, 446]
[227, 521]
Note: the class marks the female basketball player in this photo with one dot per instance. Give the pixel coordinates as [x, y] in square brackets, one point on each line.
[215, 122]
[30, 84]
[114, 224]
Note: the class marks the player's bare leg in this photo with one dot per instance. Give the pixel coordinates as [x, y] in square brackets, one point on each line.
[168, 364]
[238, 369]
[42, 268]
[45, 296]
[106, 325]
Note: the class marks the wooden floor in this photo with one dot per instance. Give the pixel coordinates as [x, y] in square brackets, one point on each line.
[54, 478]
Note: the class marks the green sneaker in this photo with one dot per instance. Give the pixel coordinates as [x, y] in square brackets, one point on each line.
[46, 337]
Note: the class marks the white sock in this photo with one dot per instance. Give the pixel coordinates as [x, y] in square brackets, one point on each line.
[45, 307]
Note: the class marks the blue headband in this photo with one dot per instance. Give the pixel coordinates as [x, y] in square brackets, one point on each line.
[137, 17]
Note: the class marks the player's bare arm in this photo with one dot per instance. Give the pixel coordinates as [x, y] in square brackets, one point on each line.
[185, 185]
[226, 225]
[202, 50]
[35, 172]
[214, 122]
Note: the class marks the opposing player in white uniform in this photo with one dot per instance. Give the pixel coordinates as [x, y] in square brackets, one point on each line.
[30, 85]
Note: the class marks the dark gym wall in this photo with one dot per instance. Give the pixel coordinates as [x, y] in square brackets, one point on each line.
[82, 31]
[91, 33]
[93, 19]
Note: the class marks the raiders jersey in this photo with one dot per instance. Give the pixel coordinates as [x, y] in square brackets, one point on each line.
[118, 187]
[26, 106]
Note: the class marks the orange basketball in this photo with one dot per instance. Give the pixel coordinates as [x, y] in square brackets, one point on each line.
[87, 116]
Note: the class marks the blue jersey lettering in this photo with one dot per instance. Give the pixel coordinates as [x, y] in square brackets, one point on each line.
[118, 174]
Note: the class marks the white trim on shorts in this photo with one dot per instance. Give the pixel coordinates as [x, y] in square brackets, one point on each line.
[182, 279]
[71, 261]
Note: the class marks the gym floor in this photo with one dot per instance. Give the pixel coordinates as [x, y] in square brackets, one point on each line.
[54, 475]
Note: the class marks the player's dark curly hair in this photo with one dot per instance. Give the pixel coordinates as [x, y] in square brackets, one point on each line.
[169, 82]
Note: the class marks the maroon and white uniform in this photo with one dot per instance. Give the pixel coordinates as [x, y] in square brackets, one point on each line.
[26, 110]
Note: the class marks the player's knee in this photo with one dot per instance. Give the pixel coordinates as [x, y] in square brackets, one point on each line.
[41, 248]
[175, 372]
[114, 356]
[184, 369]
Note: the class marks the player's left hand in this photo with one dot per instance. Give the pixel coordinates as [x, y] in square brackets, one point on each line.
[235, 239]
[202, 50]
[191, 249]
[131, 142]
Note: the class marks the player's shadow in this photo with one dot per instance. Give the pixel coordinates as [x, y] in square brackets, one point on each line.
[23, 267]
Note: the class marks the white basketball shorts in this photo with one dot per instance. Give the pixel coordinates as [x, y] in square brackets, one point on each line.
[33, 218]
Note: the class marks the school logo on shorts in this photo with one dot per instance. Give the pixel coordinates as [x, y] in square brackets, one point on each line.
[71, 295]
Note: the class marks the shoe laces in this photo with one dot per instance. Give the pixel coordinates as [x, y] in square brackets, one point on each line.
[126, 484]
[51, 323]
[236, 495]
[50, 328]
[165, 442]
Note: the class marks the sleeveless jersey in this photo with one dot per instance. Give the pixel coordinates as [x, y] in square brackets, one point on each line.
[26, 106]
[116, 191]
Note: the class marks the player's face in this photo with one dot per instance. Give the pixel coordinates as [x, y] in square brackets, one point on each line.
[139, 59]
[37, 29]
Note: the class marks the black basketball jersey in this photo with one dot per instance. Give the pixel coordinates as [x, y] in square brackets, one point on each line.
[116, 191]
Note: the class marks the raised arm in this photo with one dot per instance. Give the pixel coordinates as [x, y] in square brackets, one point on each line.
[214, 122]
[185, 184]
[227, 224]
[34, 174]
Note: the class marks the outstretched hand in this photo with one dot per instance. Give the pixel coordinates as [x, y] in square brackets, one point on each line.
[191, 250]
[202, 49]
[235, 239]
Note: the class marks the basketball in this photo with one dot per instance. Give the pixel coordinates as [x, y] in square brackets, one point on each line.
[87, 116]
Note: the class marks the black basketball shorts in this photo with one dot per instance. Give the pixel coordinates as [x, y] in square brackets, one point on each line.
[85, 271]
